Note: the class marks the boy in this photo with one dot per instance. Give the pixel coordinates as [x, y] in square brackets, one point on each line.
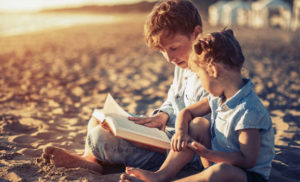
[238, 143]
[171, 28]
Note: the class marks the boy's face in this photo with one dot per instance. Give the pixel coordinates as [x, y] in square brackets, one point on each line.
[176, 48]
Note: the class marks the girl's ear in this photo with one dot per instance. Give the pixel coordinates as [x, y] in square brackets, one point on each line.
[212, 70]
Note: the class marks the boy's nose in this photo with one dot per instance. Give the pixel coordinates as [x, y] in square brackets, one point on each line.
[167, 56]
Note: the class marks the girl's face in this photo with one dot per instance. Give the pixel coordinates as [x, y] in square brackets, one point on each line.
[207, 73]
[206, 79]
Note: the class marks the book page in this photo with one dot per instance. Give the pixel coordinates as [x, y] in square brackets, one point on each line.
[112, 107]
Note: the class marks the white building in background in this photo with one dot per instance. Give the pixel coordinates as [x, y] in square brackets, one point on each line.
[215, 13]
[235, 13]
[243, 15]
[296, 15]
[270, 13]
[262, 13]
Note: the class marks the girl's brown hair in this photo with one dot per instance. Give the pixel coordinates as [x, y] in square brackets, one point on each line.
[219, 47]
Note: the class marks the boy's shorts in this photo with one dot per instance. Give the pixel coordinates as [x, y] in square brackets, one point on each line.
[254, 177]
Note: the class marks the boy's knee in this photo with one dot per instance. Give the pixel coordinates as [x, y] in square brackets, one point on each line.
[100, 143]
[93, 122]
[98, 136]
[199, 126]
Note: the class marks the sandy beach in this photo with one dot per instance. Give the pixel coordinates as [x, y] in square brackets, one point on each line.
[51, 81]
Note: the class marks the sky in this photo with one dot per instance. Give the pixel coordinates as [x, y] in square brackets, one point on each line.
[33, 5]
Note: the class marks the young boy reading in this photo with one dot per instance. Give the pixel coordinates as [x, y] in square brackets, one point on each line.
[171, 28]
[238, 143]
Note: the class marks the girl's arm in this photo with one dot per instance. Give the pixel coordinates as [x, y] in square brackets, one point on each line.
[180, 138]
[200, 108]
[249, 140]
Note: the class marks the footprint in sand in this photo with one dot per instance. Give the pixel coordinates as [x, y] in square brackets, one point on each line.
[11, 123]
[21, 171]
[22, 139]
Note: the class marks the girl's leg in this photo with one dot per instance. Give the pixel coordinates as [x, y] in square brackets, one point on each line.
[218, 172]
[199, 130]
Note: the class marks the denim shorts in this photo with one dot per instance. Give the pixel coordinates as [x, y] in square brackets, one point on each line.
[254, 177]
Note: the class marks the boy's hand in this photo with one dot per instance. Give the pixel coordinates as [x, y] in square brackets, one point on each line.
[179, 141]
[197, 147]
[159, 120]
[105, 126]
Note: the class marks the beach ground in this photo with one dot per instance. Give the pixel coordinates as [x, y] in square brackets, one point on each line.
[51, 81]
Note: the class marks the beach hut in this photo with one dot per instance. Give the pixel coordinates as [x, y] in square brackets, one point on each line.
[270, 13]
[215, 12]
[244, 14]
[296, 15]
[232, 9]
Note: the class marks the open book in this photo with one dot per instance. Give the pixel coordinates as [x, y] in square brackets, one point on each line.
[117, 120]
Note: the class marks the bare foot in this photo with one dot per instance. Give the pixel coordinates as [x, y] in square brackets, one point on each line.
[131, 178]
[63, 158]
[139, 175]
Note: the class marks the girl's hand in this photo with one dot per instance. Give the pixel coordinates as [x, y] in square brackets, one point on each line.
[179, 141]
[197, 147]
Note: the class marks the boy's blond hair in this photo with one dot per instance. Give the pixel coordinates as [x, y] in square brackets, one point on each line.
[219, 47]
[170, 17]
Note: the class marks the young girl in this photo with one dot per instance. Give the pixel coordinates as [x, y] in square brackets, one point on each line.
[238, 143]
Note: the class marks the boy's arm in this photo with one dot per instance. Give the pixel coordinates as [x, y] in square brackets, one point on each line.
[249, 140]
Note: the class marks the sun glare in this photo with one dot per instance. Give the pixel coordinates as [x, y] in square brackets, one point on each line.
[32, 5]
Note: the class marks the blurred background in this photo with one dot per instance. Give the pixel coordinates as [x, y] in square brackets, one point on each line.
[59, 59]
[18, 16]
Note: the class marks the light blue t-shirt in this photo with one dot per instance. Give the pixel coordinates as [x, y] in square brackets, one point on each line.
[185, 90]
[243, 110]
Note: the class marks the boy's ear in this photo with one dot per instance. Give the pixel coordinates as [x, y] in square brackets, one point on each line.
[212, 70]
[197, 30]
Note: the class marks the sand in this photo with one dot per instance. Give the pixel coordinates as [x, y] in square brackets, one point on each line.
[51, 81]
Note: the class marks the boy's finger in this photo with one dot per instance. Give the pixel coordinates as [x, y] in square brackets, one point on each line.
[135, 118]
[105, 126]
[143, 120]
[140, 122]
[132, 118]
